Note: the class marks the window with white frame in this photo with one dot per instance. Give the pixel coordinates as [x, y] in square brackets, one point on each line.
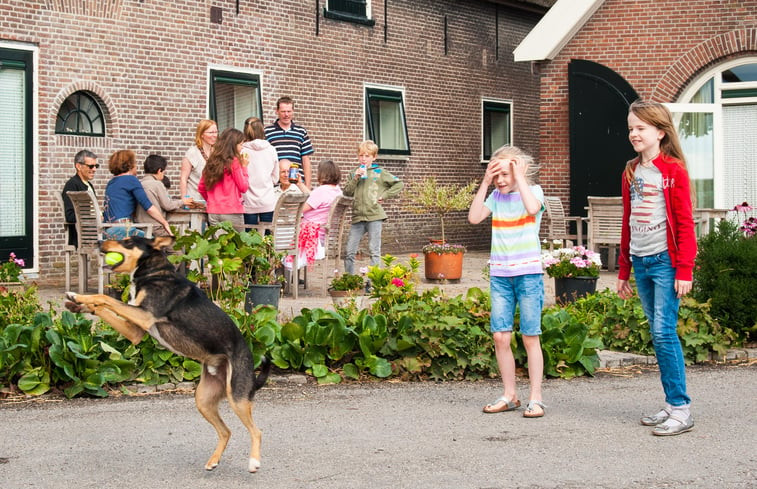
[715, 117]
[385, 120]
[234, 97]
[496, 126]
[358, 11]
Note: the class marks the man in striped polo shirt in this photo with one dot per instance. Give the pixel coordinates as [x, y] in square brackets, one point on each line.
[290, 140]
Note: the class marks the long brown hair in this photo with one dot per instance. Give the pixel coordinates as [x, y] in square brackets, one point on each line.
[657, 115]
[223, 154]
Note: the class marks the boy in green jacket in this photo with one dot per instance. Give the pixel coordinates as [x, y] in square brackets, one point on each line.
[369, 185]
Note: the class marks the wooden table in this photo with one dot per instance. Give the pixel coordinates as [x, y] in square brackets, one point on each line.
[184, 219]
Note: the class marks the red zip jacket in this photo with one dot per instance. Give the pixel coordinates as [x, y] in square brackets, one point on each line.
[226, 196]
[682, 241]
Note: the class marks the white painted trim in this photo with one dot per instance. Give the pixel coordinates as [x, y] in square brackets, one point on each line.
[19, 46]
[555, 29]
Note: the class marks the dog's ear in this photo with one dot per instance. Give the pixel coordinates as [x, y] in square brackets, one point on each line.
[163, 242]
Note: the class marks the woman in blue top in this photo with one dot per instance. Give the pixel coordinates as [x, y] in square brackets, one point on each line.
[122, 195]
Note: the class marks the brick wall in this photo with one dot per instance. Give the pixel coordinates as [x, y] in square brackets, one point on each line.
[658, 46]
[147, 61]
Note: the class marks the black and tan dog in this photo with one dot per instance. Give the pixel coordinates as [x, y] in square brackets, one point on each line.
[182, 319]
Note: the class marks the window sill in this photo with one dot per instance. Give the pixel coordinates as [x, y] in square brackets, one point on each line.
[393, 157]
[356, 19]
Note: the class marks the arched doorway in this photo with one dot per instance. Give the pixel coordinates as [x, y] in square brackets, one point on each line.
[598, 105]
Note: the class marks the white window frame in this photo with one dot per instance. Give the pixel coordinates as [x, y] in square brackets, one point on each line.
[716, 108]
[484, 101]
[32, 272]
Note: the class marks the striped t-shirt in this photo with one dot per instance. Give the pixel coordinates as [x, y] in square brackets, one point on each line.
[292, 144]
[515, 235]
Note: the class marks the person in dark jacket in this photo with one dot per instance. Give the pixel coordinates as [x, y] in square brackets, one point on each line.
[85, 163]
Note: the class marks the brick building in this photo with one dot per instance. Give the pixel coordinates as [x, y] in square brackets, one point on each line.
[435, 77]
[596, 56]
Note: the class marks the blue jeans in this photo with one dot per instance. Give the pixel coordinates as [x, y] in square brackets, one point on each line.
[527, 291]
[655, 281]
[357, 230]
[252, 219]
[119, 233]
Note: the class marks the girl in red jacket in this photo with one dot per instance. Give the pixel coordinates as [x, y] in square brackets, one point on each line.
[224, 180]
[658, 240]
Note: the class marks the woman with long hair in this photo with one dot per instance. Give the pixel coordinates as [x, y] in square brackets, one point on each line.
[196, 157]
[225, 179]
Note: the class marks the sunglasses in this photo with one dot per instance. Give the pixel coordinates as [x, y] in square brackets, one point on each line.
[96, 165]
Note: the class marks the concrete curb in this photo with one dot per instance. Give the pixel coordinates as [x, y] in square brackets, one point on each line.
[610, 359]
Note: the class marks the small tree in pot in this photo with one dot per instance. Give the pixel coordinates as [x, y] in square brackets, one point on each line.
[443, 260]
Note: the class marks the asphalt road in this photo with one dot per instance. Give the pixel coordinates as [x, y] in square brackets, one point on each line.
[395, 435]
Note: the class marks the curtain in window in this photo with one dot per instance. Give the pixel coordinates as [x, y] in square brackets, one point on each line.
[740, 146]
[12, 149]
[234, 103]
[391, 126]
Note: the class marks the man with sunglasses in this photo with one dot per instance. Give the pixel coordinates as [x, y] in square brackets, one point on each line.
[85, 163]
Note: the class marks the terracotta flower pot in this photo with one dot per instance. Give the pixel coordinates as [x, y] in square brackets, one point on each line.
[443, 266]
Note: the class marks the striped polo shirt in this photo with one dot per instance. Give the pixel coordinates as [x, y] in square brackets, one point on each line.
[515, 235]
[291, 145]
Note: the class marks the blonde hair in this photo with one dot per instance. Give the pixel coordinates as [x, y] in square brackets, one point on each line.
[203, 126]
[369, 147]
[514, 152]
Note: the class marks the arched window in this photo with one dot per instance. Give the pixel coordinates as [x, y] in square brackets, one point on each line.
[716, 116]
[80, 115]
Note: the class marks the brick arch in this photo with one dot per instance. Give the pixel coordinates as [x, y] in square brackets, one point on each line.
[705, 54]
[109, 110]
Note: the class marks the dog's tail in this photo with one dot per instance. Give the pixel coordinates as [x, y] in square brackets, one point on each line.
[262, 377]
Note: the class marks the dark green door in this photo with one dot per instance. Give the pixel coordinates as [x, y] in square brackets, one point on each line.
[16, 172]
[599, 147]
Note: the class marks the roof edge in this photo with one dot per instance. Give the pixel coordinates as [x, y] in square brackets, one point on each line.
[555, 29]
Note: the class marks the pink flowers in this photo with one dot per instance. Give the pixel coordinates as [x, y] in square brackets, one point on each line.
[398, 282]
[17, 261]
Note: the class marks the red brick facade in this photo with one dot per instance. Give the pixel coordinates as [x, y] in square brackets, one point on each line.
[147, 61]
[658, 46]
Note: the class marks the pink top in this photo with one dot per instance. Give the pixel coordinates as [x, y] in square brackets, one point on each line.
[320, 200]
[226, 196]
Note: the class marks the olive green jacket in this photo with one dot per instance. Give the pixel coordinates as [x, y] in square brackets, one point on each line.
[379, 184]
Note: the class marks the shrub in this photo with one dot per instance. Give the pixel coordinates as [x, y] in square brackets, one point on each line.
[725, 275]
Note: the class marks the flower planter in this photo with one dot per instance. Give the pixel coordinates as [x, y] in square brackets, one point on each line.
[13, 286]
[572, 288]
[443, 266]
[343, 298]
[258, 294]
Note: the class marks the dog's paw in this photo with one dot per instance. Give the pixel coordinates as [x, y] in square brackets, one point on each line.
[73, 306]
[76, 307]
[71, 296]
[254, 465]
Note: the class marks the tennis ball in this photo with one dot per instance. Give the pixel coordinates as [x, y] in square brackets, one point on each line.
[113, 257]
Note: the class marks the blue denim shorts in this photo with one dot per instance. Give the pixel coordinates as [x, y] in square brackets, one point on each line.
[527, 291]
[119, 233]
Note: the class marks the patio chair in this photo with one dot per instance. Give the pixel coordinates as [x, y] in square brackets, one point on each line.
[90, 227]
[556, 224]
[68, 249]
[605, 223]
[285, 229]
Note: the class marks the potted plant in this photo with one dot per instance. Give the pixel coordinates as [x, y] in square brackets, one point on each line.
[346, 288]
[575, 271]
[11, 273]
[443, 261]
[243, 265]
